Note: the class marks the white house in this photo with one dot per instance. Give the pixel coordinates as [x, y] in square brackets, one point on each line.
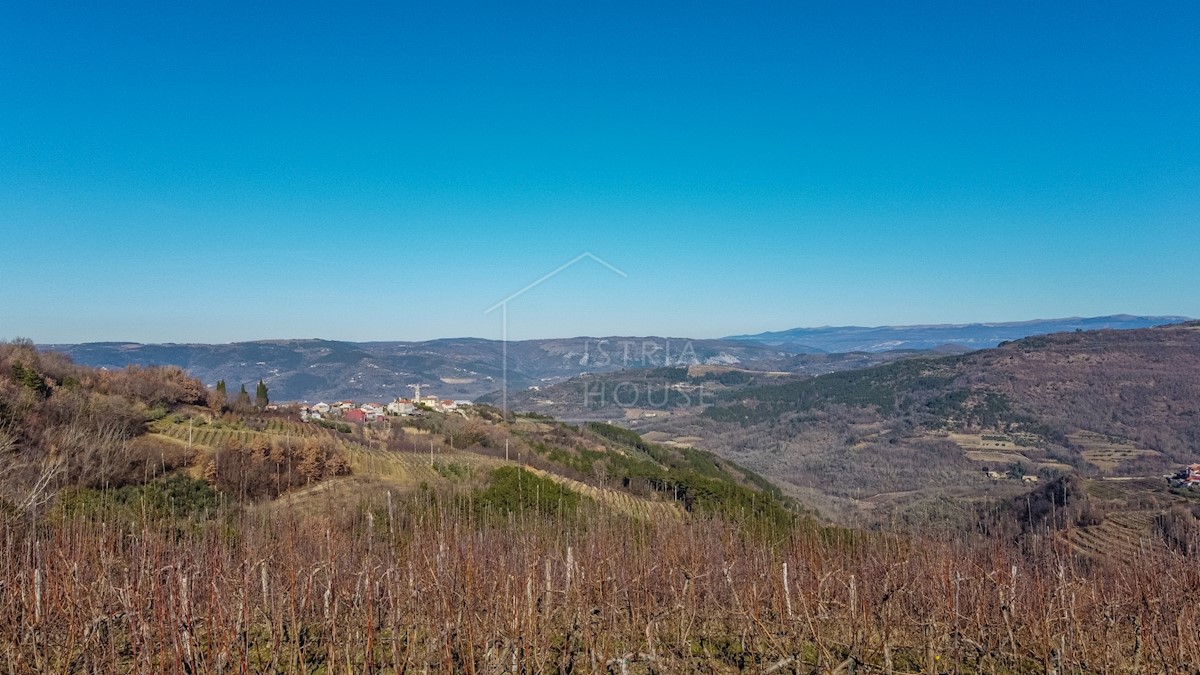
[400, 406]
[321, 408]
[374, 411]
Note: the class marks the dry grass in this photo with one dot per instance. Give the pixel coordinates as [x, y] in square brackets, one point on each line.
[424, 585]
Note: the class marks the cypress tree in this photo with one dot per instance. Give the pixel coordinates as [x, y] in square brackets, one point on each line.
[243, 399]
[260, 395]
[219, 399]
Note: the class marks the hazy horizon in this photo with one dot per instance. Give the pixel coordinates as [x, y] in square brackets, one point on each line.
[661, 335]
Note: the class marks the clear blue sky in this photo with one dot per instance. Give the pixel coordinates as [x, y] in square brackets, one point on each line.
[209, 171]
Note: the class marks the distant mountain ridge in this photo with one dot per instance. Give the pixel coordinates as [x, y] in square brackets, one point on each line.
[973, 335]
[458, 368]
[467, 368]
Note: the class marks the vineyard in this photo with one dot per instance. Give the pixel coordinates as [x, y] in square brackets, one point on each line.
[395, 568]
[422, 584]
[376, 467]
[1128, 510]
[211, 435]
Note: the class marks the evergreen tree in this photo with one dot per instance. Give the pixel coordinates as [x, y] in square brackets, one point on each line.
[219, 398]
[243, 399]
[260, 395]
[30, 378]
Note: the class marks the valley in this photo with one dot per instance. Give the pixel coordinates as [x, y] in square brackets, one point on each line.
[1096, 404]
[681, 517]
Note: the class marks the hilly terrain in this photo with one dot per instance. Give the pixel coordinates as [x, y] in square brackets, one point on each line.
[468, 368]
[969, 336]
[65, 427]
[1093, 403]
[661, 392]
[465, 368]
[153, 526]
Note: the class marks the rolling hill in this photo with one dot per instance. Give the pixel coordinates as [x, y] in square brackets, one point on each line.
[66, 427]
[1094, 403]
[464, 368]
[152, 531]
[970, 336]
[468, 368]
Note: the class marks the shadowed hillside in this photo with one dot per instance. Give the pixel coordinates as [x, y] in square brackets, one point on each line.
[1094, 403]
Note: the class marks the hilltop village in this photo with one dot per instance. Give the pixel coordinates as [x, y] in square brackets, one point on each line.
[350, 411]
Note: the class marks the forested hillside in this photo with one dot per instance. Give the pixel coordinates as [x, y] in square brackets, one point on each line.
[868, 442]
[1140, 385]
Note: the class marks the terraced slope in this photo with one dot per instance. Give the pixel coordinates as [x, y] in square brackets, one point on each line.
[1129, 509]
[1122, 535]
[386, 459]
[617, 499]
[207, 435]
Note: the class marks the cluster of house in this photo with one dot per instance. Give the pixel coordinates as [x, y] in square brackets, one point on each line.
[1003, 475]
[370, 412]
[1188, 477]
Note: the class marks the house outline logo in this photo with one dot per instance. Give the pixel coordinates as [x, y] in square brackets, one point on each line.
[503, 307]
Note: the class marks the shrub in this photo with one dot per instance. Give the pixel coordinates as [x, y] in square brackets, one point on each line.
[514, 490]
[173, 498]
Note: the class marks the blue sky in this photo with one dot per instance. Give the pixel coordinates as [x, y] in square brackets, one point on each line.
[214, 172]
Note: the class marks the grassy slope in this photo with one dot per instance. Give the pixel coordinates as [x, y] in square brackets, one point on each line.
[608, 465]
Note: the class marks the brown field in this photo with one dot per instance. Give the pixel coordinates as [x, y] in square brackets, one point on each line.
[997, 458]
[977, 442]
[685, 441]
[425, 586]
[1105, 453]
